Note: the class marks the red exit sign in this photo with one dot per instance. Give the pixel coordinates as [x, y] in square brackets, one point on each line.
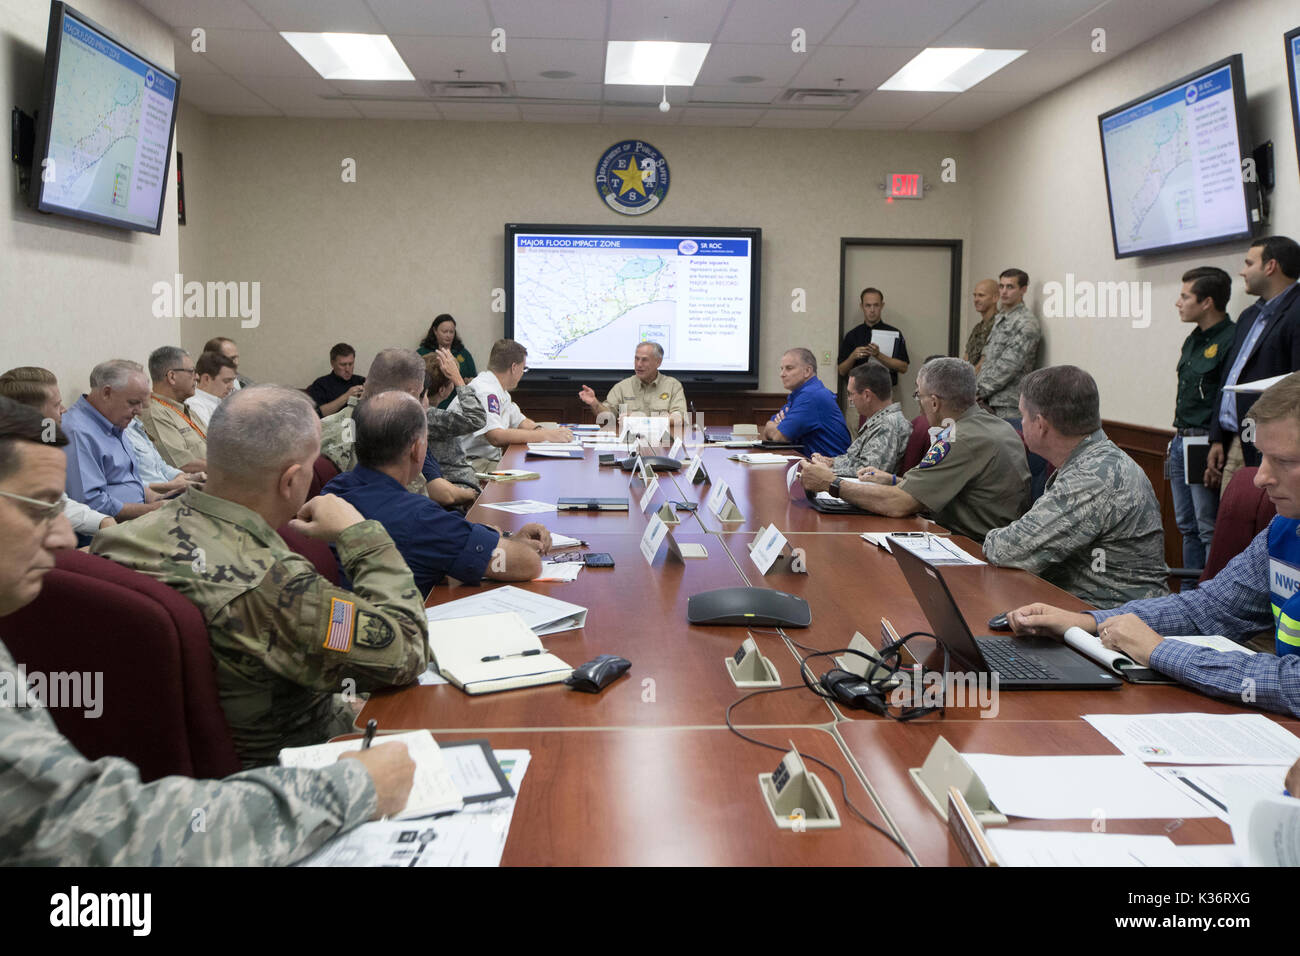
[903, 186]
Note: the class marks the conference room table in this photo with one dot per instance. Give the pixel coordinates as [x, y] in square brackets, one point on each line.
[647, 771]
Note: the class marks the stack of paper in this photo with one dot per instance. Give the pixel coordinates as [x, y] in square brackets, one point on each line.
[523, 506]
[544, 615]
[762, 458]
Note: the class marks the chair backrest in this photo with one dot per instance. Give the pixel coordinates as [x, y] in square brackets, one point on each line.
[917, 445]
[322, 470]
[1244, 511]
[316, 551]
[157, 696]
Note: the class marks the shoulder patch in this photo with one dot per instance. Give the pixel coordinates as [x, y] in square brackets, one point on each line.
[339, 625]
[373, 631]
[494, 404]
[937, 453]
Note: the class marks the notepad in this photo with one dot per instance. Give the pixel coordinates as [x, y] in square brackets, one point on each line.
[493, 652]
[434, 791]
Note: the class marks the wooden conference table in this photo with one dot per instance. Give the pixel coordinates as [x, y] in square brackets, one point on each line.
[646, 772]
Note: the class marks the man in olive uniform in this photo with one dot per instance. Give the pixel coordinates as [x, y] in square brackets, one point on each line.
[286, 641]
[177, 435]
[973, 478]
[59, 809]
[1096, 531]
[646, 394]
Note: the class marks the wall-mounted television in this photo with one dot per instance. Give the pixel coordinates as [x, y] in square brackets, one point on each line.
[581, 298]
[104, 133]
[1173, 162]
[1293, 73]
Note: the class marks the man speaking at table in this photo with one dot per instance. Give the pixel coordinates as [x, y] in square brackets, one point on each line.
[811, 417]
[1258, 590]
[646, 393]
[973, 478]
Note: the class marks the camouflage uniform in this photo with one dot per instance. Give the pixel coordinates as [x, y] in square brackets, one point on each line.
[173, 431]
[445, 430]
[979, 337]
[284, 638]
[1010, 353]
[880, 443]
[1098, 499]
[59, 809]
[338, 443]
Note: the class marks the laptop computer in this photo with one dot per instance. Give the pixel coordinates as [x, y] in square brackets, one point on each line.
[1021, 663]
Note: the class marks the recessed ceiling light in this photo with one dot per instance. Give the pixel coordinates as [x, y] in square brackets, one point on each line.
[350, 56]
[557, 74]
[654, 62]
[949, 69]
[745, 79]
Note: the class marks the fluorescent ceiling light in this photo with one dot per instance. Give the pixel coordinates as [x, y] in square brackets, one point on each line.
[350, 56]
[654, 62]
[949, 69]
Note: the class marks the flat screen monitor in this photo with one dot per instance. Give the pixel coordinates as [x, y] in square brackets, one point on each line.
[104, 133]
[581, 298]
[1173, 161]
[1293, 74]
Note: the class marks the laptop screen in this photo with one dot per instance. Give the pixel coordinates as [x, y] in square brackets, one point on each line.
[931, 592]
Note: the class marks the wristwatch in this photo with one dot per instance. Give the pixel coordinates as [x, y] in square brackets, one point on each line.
[835, 487]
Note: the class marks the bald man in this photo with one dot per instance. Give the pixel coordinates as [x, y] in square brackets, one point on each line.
[286, 641]
[985, 300]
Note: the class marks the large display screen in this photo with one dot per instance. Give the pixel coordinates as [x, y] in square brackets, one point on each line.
[104, 135]
[1173, 162]
[1293, 73]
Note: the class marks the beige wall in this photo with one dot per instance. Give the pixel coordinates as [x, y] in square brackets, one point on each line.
[74, 293]
[420, 231]
[1040, 200]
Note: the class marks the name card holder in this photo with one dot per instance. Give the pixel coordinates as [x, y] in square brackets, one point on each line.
[770, 551]
[861, 665]
[697, 474]
[748, 667]
[668, 515]
[944, 767]
[797, 799]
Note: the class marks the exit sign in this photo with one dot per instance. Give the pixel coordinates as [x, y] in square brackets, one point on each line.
[903, 186]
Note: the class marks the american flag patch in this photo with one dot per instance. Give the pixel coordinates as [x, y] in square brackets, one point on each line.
[342, 617]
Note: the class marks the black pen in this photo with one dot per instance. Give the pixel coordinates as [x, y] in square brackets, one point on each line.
[371, 726]
[501, 657]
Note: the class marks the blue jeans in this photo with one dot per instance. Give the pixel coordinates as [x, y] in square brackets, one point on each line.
[1195, 508]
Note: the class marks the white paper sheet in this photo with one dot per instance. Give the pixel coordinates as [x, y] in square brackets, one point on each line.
[1199, 738]
[1080, 788]
[544, 615]
[524, 506]
[559, 541]
[1217, 788]
[562, 571]
[933, 549]
[1059, 848]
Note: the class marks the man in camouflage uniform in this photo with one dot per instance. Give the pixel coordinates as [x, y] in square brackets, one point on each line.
[985, 300]
[883, 434]
[448, 425]
[286, 641]
[1096, 531]
[1011, 350]
[392, 370]
[58, 808]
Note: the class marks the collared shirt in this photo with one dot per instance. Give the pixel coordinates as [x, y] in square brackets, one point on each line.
[101, 468]
[1228, 400]
[1199, 368]
[329, 387]
[814, 420]
[434, 542]
[1010, 354]
[881, 441]
[178, 438]
[975, 477]
[84, 520]
[861, 334]
[201, 405]
[283, 637]
[499, 412]
[148, 462]
[661, 397]
[1095, 532]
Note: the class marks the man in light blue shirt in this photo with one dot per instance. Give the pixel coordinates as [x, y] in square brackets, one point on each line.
[102, 471]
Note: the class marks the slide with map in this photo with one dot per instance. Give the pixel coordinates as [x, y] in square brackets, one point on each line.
[1174, 165]
[584, 301]
[110, 126]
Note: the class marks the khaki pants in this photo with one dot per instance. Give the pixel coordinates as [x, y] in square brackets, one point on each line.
[1234, 460]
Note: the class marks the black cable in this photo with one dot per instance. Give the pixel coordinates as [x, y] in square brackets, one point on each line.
[888, 664]
[844, 787]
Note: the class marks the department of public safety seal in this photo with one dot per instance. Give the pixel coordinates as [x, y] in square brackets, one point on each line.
[632, 177]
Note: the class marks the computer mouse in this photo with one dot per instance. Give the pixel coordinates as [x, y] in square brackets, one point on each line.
[598, 673]
[1000, 622]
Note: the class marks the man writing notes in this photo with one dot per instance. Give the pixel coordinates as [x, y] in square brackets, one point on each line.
[863, 342]
[1258, 590]
[1096, 530]
[811, 417]
[882, 437]
[974, 477]
[645, 394]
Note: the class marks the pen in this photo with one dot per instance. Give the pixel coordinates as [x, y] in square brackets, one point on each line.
[502, 657]
[371, 726]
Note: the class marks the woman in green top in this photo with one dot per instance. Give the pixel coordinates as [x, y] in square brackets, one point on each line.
[442, 335]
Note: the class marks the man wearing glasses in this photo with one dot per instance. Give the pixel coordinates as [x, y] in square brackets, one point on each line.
[177, 435]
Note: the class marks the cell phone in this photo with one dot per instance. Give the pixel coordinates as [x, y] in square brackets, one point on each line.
[598, 559]
[685, 505]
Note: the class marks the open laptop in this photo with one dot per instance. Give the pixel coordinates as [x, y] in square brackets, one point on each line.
[1021, 663]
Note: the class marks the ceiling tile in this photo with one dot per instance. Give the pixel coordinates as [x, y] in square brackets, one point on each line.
[1014, 24]
[696, 22]
[888, 23]
[560, 114]
[319, 16]
[640, 115]
[719, 116]
[623, 95]
[972, 110]
[890, 106]
[229, 15]
[800, 119]
[1040, 71]
[299, 97]
[561, 90]
[573, 19]
[777, 65]
[474, 112]
[385, 110]
[438, 58]
[861, 68]
[465, 18]
[402, 89]
[253, 53]
[1127, 24]
[526, 59]
[735, 93]
[217, 93]
[845, 122]
[772, 21]
[187, 62]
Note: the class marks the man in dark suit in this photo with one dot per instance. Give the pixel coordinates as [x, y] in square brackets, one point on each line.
[1267, 343]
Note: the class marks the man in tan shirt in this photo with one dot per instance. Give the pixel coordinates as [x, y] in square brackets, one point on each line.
[646, 394]
[177, 435]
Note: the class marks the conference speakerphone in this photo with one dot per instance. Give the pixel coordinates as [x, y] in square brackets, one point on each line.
[748, 607]
[591, 504]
